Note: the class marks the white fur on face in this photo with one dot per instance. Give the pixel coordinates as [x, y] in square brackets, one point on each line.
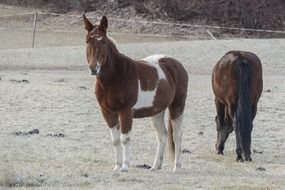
[98, 67]
[146, 98]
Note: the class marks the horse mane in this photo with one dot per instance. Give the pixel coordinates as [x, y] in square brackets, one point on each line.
[113, 43]
[113, 46]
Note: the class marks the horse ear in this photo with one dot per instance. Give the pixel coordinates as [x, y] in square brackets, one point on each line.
[87, 24]
[104, 24]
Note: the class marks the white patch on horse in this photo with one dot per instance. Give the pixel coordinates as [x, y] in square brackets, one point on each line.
[146, 98]
[115, 133]
[125, 140]
[98, 68]
[153, 60]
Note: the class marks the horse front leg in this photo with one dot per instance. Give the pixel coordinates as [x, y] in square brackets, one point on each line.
[112, 120]
[115, 132]
[220, 126]
[126, 119]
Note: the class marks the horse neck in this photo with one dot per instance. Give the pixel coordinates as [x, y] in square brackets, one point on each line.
[110, 68]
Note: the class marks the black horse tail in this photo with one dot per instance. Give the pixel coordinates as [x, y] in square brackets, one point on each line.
[243, 120]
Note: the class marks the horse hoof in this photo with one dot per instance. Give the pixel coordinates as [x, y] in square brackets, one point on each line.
[239, 159]
[248, 159]
[177, 169]
[154, 168]
[220, 152]
[124, 168]
[117, 167]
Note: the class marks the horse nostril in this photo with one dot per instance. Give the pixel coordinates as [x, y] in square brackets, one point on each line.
[93, 72]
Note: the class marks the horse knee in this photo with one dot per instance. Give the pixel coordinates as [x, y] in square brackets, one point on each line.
[125, 139]
[177, 136]
[116, 142]
[115, 133]
[162, 137]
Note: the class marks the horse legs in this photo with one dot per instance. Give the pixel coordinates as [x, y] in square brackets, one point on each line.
[224, 126]
[254, 110]
[126, 120]
[177, 139]
[161, 137]
[112, 120]
[238, 142]
[115, 132]
[175, 128]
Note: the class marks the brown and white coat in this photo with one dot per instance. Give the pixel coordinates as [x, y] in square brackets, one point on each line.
[127, 89]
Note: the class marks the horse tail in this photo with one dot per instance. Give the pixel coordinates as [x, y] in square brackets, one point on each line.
[243, 120]
[170, 140]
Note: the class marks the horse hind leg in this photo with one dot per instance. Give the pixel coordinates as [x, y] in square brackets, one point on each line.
[177, 140]
[161, 136]
[238, 143]
[175, 131]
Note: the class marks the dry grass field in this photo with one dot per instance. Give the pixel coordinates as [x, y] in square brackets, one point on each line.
[50, 89]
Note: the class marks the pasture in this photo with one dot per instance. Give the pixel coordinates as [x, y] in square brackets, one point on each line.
[51, 89]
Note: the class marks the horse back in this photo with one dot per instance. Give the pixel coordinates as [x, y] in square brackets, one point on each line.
[224, 76]
[163, 76]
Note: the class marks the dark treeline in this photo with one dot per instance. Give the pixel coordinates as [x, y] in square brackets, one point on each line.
[259, 14]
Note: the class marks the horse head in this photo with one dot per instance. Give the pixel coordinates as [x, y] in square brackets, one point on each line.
[96, 40]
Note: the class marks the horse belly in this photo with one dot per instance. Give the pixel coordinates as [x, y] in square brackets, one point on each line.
[144, 106]
[146, 112]
[150, 103]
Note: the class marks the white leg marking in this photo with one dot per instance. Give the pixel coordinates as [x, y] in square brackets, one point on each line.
[177, 138]
[115, 132]
[161, 137]
[125, 140]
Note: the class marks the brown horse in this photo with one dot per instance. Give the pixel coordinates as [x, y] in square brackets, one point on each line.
[237, 85]
[127, 89]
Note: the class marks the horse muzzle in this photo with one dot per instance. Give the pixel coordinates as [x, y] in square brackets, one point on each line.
[96, 70]
[93, 72]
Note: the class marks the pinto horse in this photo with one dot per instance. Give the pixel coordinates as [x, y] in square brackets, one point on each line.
[127, 89]
[237, 85]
